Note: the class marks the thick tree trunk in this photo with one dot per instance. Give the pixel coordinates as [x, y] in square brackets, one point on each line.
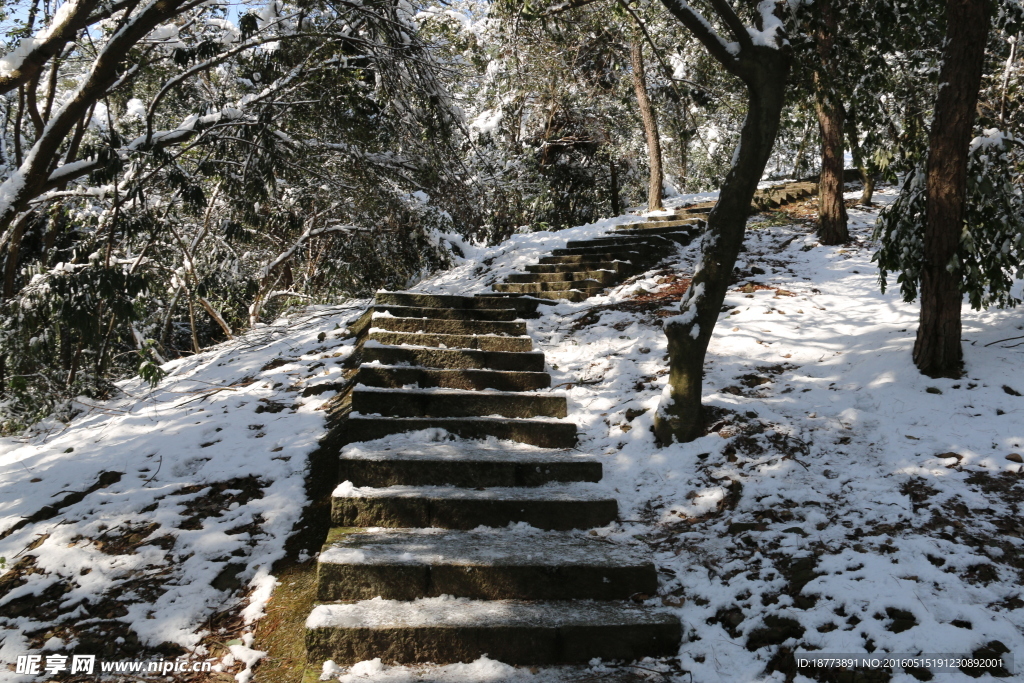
[680, 415]
[636, 58]
[832, 220]
[937, 351]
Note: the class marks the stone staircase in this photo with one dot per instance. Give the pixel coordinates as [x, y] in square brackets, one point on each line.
[421, 564]
[585, 267]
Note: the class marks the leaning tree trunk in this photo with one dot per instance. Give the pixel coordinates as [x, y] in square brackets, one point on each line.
[937, 350]
[680, 415]
[832, 220]
[636, 58]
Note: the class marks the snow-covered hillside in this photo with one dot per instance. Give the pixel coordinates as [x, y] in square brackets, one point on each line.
[127, 530]
[842, 501]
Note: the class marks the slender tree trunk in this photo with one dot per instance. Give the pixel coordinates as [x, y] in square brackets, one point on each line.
[13, 253]
[801, 151]
[937, 351]
[680, 415]
[636, 58]
[1006, 80]
[832, 225]
[866, 169]
[616, 205]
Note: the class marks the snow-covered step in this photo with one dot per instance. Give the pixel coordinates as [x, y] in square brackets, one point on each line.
[564, 295]
[676, 233]
[621, 267]
[432, 357]
[463, 464]
[406, 564]
[445, 630]
[605, 277]
[536, 432]
[535, 287]
[627, 250]
[483, 342]
[455, 403]
[402, 376]
[627, 257]
[496, 314]
[555, 507]
[443, 326]
[681, 222]
[623, 240]
[521, 306]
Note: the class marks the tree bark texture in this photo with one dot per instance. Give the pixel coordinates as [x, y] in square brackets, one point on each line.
[650, 121]
[832, 218]
[937, 350]
[680, 415]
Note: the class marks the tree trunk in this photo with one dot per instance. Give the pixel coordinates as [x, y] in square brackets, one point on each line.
[868, 193]
[616, 205]
[867, 170]
[680, 415]
[636, 58]
[937, 350]
[832, 220]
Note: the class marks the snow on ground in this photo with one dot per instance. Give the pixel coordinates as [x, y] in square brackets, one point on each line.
[841, 502]
[190, 490]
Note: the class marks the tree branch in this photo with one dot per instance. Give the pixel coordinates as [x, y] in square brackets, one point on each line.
[18, 69]
[728, 15]
[704, 32]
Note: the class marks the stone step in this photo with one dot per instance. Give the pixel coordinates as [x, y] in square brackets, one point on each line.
[455, 403]
[625, 250]
[587, 259]
[431, 357]
[496, 314]
[620, 267]
[535, 287]
[702, 207]
[567, 295]
[445, 630]
[664, 217]
[522, 306]
[648, 241]
[442, 326]
[605, 277]
[406, 564]
[674, 234]
[552, 507]
[460, 463]
[483, 342]
[463, 378]
[536, 432]
[663, 225]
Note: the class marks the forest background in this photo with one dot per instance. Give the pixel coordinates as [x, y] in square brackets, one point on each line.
[176, 171]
